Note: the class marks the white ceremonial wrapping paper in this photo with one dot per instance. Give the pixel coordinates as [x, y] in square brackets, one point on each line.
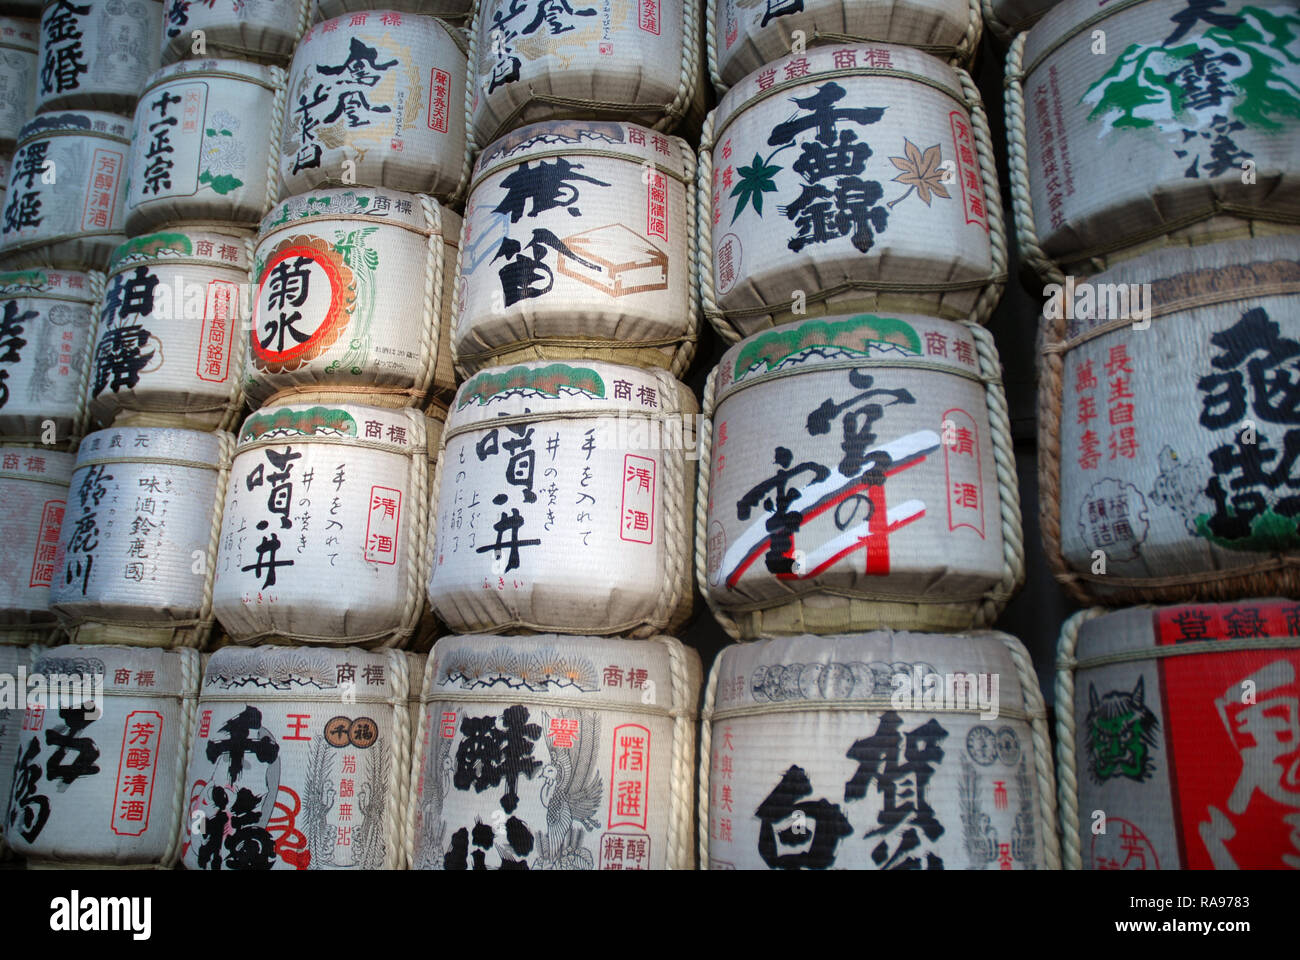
[33, 502]
[299, 761]
[264, 31]
[97, 54]
[555, 753]
[11, 719]
[565, 501]
[104, 787]
[19, 41]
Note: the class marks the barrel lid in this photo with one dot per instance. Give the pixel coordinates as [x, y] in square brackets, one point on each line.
[1136, 630]
[91, 123]
[184, 246]
[309, 673]
[129, 671]
[149, 444]
[370, 203]
[262, 74]
[393, 430]
[41, 282]
[552, 138]
[31, 463]
[388, 19]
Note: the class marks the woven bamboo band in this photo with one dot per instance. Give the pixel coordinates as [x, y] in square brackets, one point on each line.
[543, 416]
[98, 134]
[184, 76]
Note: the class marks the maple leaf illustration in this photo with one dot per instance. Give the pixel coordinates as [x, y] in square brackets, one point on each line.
[755, 180]
[920, 173]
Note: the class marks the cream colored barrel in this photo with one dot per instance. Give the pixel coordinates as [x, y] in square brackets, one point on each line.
[33, 501]
[746, 35]
[452, 11]
[11, 719]
[844, 188]
[857, 473]
[65, 206]
[263, 31]
[565, 502]
[1167, 431]
[103, 787]
[97, 55]
[1175, 737]
[169, 343]
[46, 331]
[580, 244]
[135, 559]
[596, 771]
[19, 42]
[203, 146]
[324, 535]
[299, 761]
[1176, 125]
[533, 61]
[353, 299]
[1006, 18]
[376, 99]
[877, 751]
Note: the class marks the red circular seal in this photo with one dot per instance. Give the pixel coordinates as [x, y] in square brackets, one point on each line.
[287, 330]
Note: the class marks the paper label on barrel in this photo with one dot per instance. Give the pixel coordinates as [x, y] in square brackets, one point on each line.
[47, 543]
[97, 48]
[34, 516]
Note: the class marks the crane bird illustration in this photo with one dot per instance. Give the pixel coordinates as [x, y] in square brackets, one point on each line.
[572, 790]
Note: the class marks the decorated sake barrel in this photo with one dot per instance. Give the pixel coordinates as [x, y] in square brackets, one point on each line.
[846, 178]
[1176, 737]
[376, 99]
[97, 55]
[11, 718]
[1156, 123]
[353, 299]
[532, 60]
[135, 558]
[65, 206]
[203, 145]
[104, 786]
[1006, 18]
[580, 245]
[877, 751]
[299, 760]
[169, 344]
[33, 500]
[263, 31]
[594, 765]
[452, 11]
[565, 501]
[324, 527]
[19, 40]
[1166, 435]
[876, 487]
[46, 328]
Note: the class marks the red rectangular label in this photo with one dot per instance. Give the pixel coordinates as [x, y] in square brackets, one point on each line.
[961, 464]
[213, 362]
[136, 766]
[439, 90]
[629, 777]
[637, 518]
[382, 524]
[47, 543]
[656, 204]
[101, 189]
[648, 11]
[968, 172]
[624, 851]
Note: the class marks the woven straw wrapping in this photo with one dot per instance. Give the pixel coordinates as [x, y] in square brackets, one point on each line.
[777, 244]
[117, 42]
[587, 467]
[21, 38]
[624, 287]
[610, 728]
[451, 11]
[33, 501]
[328, 772]
[264, 31]
[798, 712]
[11, 721]
[1006, 18]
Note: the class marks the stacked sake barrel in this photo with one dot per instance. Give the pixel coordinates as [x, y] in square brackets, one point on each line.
[1007, 18]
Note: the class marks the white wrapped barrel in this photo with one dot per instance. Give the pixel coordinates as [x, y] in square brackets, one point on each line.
[1176, 737]
[324, 532]
[19, 41]
[11, 719]
[46, 330]
[603, 264]
[377, 99]
[96, 55]
[452, 11]
[877, 487]
[1167, 433]
[531, 60]
[1006, 18]
[592, 768]
[353, 299]
[849, 178]
[565, 502]
[259, 801]
[66, 202]
[104, 787]
[884, 751]
[33, 501]
[136, 555]
[203, 145]
[263, 31]
[1185, 128]
[169, 343]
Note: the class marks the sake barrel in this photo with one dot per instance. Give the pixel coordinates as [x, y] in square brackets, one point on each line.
[261, 801]
[595, 771]
[65, 206]
[135, 558]
[33, 500]
[565, 501]
[1175, 737]
[353, 299]
[377, 103]
[532, 60]
[11, 717]
[203, 145]
[46, 328]
[1185, 129]
[603, 265]
[1166, 431]
[19, 40]
[169, 343]
[890, 751]
[6, 158]
[452, 11]
[263, 31]
[97, 55]
[850, 178]
[877, 486]
[324, 531]
[1006, 18]
[73, 804]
